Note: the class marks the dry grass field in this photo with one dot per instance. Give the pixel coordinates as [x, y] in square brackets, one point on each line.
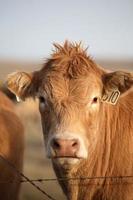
[36, 165]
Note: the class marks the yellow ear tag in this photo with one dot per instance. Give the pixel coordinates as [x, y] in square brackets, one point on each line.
[111, 97]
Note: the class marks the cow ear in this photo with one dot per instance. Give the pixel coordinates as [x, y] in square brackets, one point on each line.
[116, 84]
[20, 83]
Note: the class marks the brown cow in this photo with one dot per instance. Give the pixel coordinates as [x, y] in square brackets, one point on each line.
[87, 122]
[11, 148]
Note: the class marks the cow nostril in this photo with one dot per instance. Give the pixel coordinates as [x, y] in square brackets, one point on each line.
[55, 144]
[75, 144]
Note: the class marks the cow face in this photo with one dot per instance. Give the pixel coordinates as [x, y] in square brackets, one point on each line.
[69, 111]
[69, 89]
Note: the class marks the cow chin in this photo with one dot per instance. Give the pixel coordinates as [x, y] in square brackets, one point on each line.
[66, 163]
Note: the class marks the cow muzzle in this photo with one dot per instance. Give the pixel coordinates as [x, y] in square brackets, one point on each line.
[67, 149]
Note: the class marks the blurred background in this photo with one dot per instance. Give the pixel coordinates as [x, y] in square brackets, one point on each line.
[27, 30]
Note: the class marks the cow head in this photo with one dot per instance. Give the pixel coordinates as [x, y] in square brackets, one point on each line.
[71, 90]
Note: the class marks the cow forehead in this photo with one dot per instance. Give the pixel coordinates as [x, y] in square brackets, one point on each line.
[60, 87]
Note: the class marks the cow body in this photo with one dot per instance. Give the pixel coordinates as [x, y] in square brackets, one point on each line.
[11, 149]
[85, 134]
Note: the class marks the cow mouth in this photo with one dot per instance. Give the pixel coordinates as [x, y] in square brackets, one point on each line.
[66, 161]
[75, 157]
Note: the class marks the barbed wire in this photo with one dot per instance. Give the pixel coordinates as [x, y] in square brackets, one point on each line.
[82, 184]
[115, 178]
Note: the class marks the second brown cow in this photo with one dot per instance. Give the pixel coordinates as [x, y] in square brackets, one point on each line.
[11, 150]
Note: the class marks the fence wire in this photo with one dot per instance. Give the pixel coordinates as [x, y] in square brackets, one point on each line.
[115, 178]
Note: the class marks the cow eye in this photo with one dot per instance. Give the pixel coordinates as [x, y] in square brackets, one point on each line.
[42, 100]
[95, 100]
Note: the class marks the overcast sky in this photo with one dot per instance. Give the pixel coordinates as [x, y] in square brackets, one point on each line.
[29, 27]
